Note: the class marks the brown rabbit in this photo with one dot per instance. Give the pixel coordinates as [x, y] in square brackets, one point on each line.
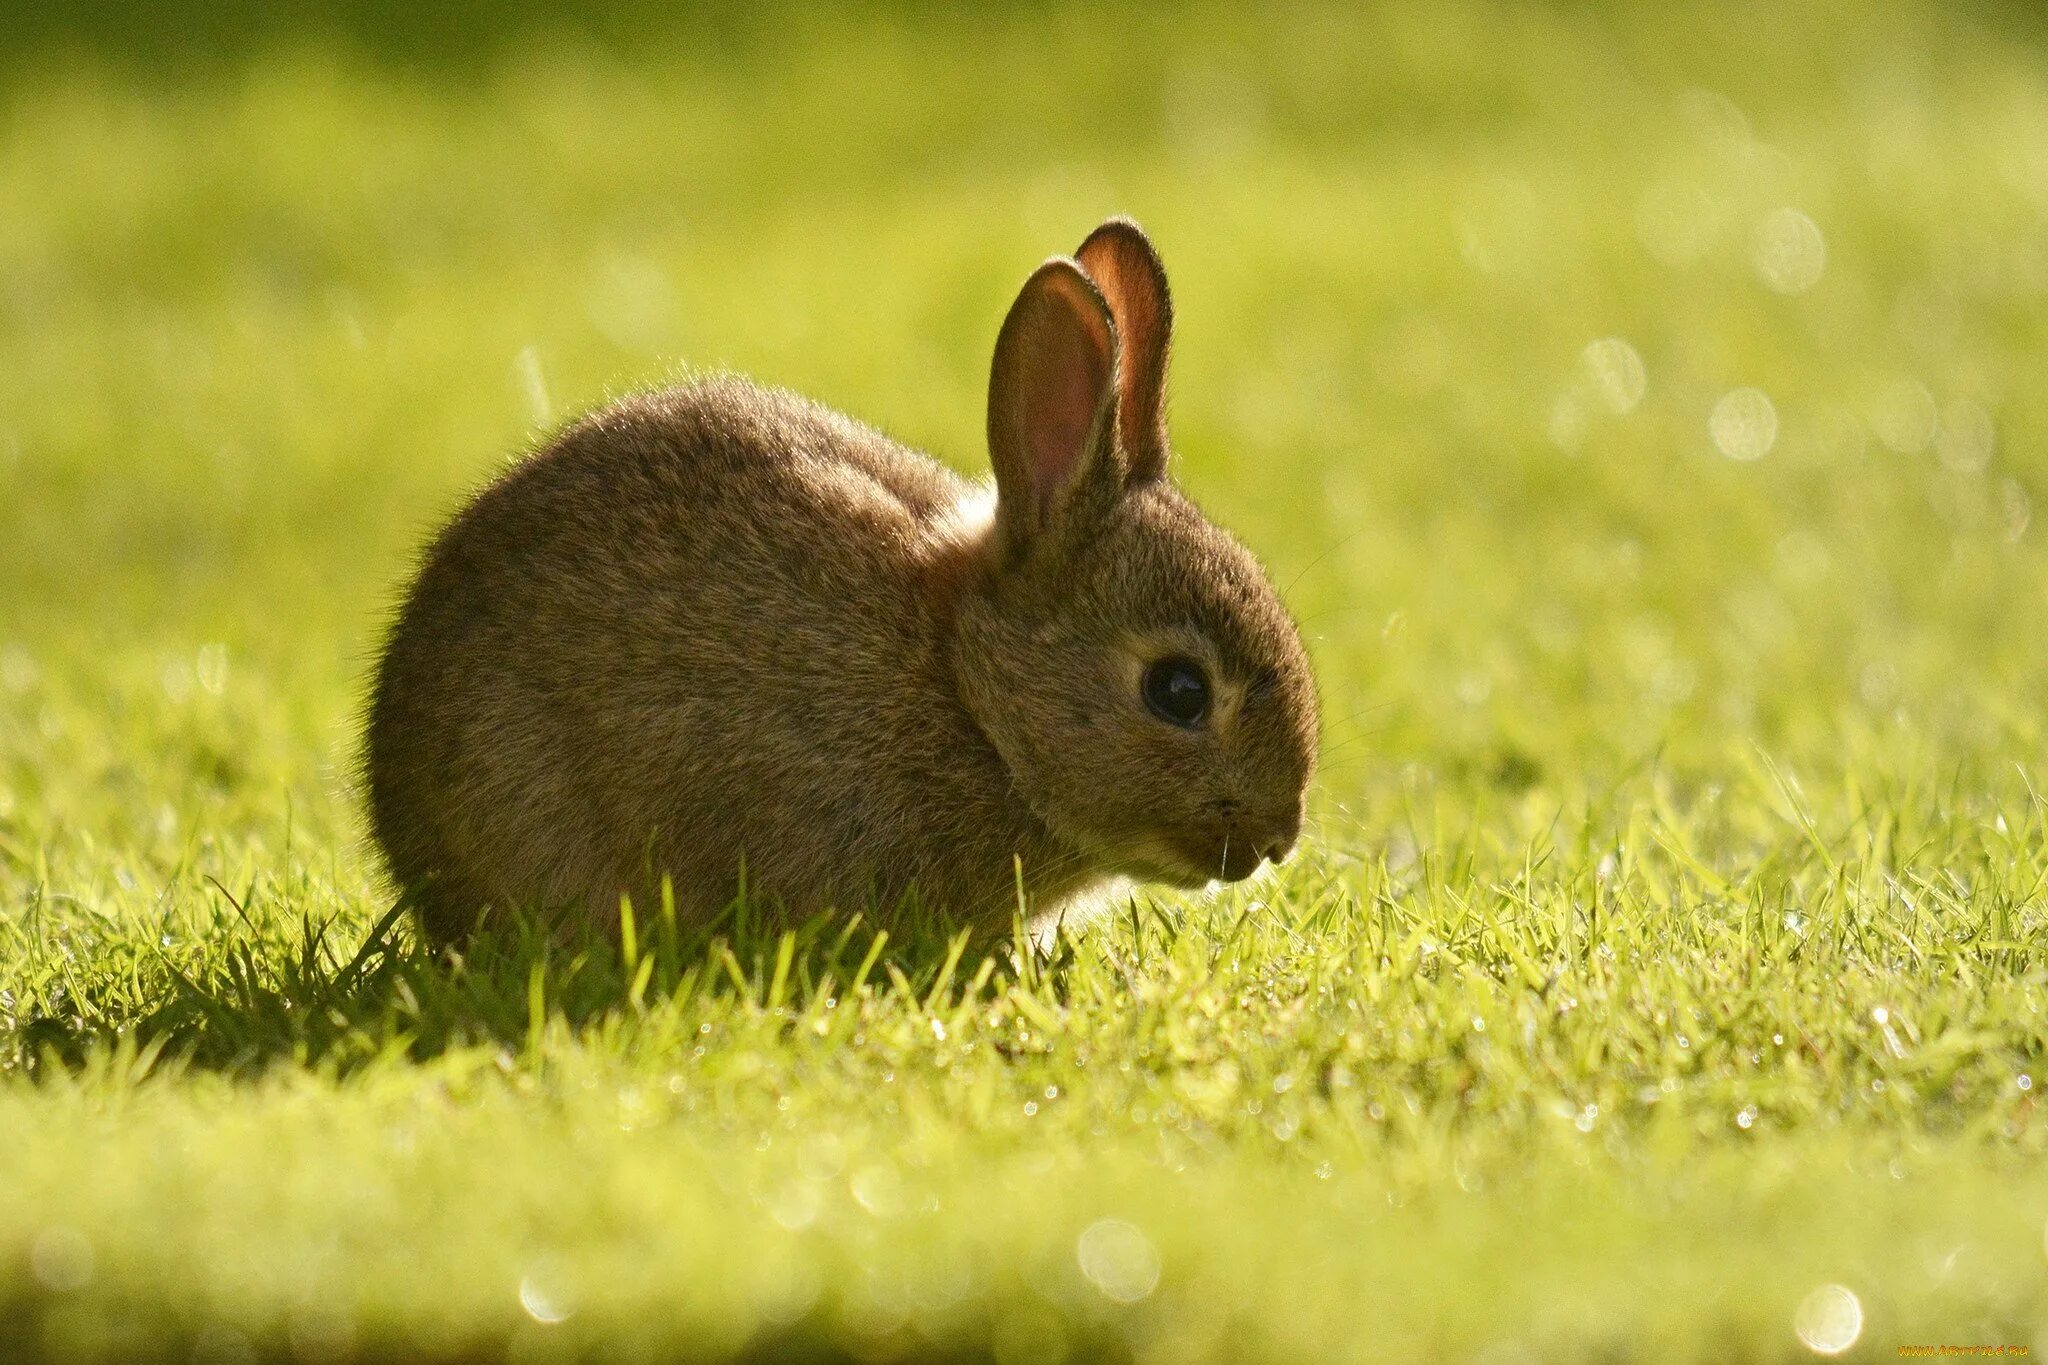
[718, 631]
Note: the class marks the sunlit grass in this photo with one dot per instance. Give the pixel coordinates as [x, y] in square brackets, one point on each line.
[1641, 412]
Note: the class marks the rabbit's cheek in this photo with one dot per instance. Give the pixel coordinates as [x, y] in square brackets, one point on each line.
[1152, 857]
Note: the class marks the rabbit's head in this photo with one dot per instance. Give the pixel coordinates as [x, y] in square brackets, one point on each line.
[1127, 658]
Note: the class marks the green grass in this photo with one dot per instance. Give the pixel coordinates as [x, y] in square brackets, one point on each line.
[1669, 944]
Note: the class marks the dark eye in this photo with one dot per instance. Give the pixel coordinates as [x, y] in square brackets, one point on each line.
[1177, 691]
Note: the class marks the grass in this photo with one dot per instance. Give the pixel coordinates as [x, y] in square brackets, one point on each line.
[1664, 977]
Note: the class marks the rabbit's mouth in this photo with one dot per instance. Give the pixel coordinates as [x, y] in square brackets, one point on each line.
[1192, 858]
[1231, 860]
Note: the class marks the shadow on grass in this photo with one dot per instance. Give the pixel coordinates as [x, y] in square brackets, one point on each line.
[272, 993]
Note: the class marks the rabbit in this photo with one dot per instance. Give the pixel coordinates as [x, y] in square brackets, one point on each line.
[720, 636]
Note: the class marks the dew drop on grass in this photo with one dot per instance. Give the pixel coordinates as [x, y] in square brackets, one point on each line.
[1745, 1117]
[1744, 424]
[1829, 1320]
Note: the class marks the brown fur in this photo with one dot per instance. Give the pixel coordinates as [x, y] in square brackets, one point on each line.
[719, 626]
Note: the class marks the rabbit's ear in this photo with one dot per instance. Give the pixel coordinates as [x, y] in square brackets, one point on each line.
[1052, 405]
[1120, 258]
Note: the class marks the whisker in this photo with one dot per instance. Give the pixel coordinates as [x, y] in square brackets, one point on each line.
[1346, 743]
[1335, 546]
[1354, 714]
[1343, 610]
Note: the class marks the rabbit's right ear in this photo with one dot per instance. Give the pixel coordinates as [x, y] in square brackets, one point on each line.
[1125, 266]
[1052, 406]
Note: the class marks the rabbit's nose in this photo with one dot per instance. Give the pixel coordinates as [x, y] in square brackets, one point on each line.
[1276, 852]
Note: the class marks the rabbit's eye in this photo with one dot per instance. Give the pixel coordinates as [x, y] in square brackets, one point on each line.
[1177, 691]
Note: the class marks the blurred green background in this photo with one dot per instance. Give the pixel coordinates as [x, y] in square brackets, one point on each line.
[1640, 405]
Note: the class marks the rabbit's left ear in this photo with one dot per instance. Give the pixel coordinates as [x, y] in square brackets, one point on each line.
[1052, 409]
[1121, 260]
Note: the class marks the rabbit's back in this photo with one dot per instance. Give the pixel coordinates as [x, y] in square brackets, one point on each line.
[699, 630]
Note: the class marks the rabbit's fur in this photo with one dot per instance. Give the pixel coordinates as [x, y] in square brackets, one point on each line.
[718, 631]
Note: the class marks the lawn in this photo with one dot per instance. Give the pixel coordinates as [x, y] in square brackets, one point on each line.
[1642, 410]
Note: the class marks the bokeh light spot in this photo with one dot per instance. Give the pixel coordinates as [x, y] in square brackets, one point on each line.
[542, 1299]
[1615, 371]
[62, 1259]
[1966, 437]
[1829, 1320]
[1118, 1259]
[1744, 424]
[1677, 222]
[1788, 251]
[1903, 416]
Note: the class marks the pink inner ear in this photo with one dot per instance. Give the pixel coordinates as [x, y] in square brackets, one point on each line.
[1068, 376]
[1051, 396]
[1061, 416]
